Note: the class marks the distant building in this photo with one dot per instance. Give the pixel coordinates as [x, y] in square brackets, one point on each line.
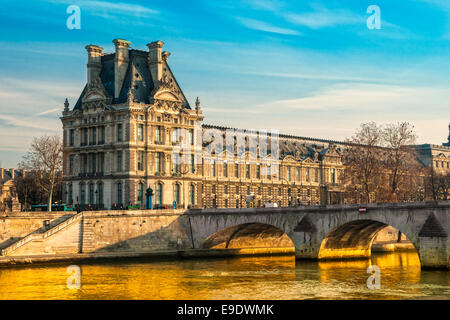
[8, 195]
[120, 136]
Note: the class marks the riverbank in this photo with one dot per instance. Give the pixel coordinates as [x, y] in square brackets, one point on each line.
[184, 254]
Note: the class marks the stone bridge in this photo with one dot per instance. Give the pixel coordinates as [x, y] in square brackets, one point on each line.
[328, 232]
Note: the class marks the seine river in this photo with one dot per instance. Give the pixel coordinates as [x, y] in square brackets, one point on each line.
[230, 278]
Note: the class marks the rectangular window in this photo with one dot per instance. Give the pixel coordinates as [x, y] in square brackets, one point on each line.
[102, 162]
[158, 134]
[191, 136]
[94, 163]
[119, 132]
[307, 174]
[288, 173]
[159, 161]
[141, 132]
[192, 166]
[175, 135]
[100, 194]
[85, 136]
[70, 200]
[141, 160]
[71, 137]
[258, 171]
[213, 168]
[225, 169]
[119, 161]
[316, 175]
[119, 193]
[247, 171]
[236, 170]
[72, 158]
[85, 163]
[102, 135]
[94, 135]
[83, 194]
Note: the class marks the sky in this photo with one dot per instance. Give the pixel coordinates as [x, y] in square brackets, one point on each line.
[308, 68]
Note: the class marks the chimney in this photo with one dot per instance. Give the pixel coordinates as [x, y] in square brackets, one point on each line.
[120, 64]
[155, 60]
[94, 65]
[2, 174]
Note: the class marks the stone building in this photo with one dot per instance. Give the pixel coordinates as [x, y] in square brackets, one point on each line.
[8, 195]
[121, 136]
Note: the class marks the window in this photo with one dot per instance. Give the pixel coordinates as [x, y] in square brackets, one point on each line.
[119, 193]
[140, 193]
[225, 189]
[119, 161]
[71, 160]
[191, 136]
[213, 168]
[307, 174]
[119, 132]
[71, 137]
[236, 170]
[299, 177]
[158, 137]
[102, 135]
[159, 193]
[175, 132]
[94, 135]
[91, 194]
[288, 173]
[258, 171]
[176, 195]
[141, 132]
[100, 194]
[192, 165]
[83, 194]
[247, 171]
[140, 160]
[176, 163]
[316, 175]
[192, 194]
[225, 169]
[333, 176]
[85, 136]
[102, 162]
[85, 163]
[70, 200]
[159, 161]
[94, 163]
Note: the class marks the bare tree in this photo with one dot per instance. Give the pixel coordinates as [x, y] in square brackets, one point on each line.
[363, 162]
[401, 159]
[44, 159]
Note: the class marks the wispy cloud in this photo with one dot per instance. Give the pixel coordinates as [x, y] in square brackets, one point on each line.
[104, 7]
[263, 26]
[322, 17]
[48, 111]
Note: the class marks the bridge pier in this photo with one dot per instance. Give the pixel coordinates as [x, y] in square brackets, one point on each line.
[433, 252]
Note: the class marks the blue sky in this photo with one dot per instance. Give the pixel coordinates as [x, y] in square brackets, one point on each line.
[309, 68]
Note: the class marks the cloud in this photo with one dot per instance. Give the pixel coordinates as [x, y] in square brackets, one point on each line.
[102, 8]
[370, 97]
[263, 26]
[48, 111]
[323, 17]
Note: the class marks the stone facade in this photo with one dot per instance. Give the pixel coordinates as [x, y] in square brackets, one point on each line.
[120, 136]
[8, 195]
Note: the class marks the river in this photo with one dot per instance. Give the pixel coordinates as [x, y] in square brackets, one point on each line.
[277, 277]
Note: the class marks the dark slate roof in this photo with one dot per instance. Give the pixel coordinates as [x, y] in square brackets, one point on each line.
[143, 83]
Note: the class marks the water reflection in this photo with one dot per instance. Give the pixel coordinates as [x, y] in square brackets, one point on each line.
[230, 278]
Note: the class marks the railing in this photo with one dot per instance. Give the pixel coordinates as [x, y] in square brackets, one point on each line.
[35, 236]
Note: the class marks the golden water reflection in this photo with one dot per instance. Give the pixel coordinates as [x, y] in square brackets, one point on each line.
[229, 278]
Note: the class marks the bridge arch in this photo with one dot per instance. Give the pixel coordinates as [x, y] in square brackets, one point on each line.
[354, 239]
[248, 235]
